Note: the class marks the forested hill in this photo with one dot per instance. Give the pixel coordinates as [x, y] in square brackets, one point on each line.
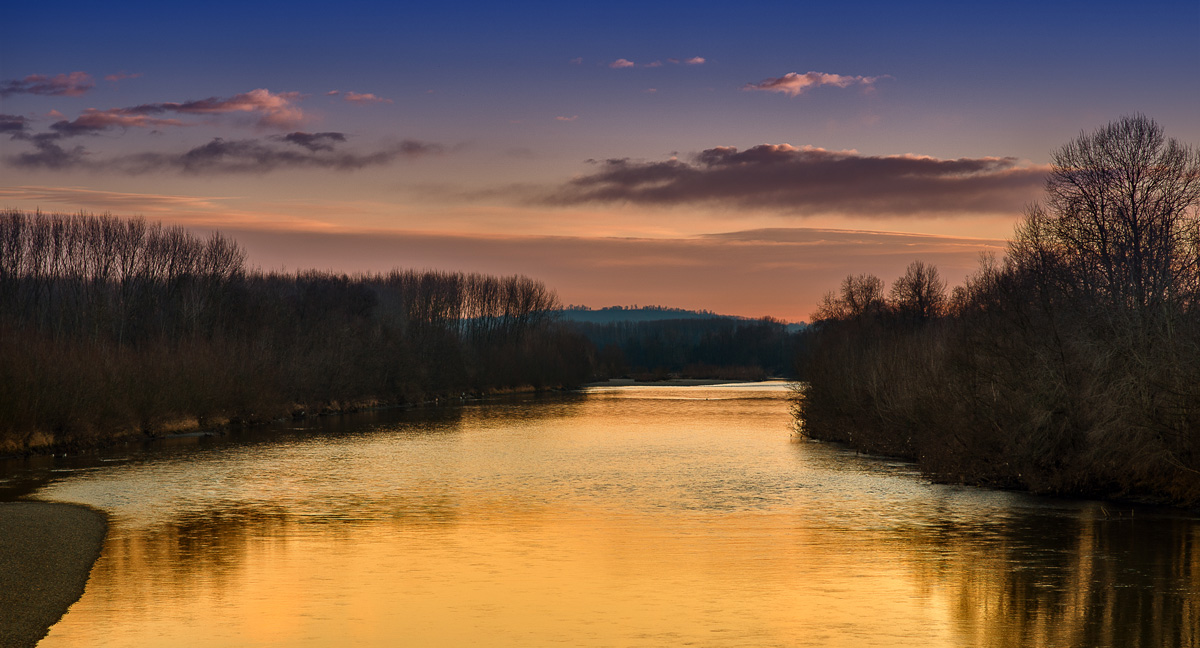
[655, 343]
[612, 314]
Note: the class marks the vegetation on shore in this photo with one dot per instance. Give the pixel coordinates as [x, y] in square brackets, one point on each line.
[698, 347]
[111, 327]
[1070, 367]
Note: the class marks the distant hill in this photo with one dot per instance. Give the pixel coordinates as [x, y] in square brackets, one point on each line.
[611, 314]
[655, 342]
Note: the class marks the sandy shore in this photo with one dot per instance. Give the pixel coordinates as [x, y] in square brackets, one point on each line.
[46, 553]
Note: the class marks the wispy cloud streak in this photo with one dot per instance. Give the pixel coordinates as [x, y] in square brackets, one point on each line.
[267, 110]
[623, 63]
[361, 98]
[270, 110]
[66, 85]
[93, 121]
[297, 150]
[794, 84]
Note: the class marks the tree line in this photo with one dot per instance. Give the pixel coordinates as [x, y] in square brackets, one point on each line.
[709, 347]
[1071, 366]
[112, 326]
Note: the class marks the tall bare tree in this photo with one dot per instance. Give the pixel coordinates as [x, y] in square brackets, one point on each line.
[1121, 218]
[920, 293]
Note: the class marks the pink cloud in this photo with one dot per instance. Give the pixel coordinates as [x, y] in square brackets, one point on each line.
[622, 63]
[567, 119]
[696, 60]
[67, 85]
[93, 121]
[654, 64]
[272, 110]
[269, 110]
[364, 98]
[794, 84]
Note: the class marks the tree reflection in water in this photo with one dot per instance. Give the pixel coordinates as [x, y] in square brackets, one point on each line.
[1041, 578]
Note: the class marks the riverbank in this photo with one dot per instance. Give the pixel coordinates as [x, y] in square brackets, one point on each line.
[669, 382]
[43, 443]
[46, 553]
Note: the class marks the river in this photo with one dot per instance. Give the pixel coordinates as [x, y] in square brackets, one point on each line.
[622, 516]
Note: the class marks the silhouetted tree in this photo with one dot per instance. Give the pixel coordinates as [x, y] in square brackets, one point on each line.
[861, 295]
[1120, 220]
[920, 293]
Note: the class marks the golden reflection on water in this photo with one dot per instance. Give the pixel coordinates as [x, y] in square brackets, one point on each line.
[632, 517]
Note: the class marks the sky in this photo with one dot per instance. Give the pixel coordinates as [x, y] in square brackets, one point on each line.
[737, 158]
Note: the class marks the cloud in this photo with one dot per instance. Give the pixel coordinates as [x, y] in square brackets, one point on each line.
[314, 141]
[807, 181]
[48, 154]
[364, 98]
[794, 84]
[15, 126]
[567, 119]
[93, 121]
[270, 110]
[293, 151]
[256, 156]
[120, 76]
[578, 60]
[626, 63]
[66, 85]
[95, 199]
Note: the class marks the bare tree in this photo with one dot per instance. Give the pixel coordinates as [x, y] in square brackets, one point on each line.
[1121, 219]
[921, 293]
[860, 295]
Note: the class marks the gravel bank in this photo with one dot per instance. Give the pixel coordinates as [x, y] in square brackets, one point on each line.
[46, 553]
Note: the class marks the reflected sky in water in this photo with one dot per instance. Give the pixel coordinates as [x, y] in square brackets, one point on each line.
[638, 516]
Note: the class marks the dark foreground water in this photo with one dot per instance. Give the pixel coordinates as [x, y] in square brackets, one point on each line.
[641, 516]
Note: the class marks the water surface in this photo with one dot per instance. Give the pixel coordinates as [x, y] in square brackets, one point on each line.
[637, 516]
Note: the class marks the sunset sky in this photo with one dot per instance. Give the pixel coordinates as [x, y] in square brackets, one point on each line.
[738, 158]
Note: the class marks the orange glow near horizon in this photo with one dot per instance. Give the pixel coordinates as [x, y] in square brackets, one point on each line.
[752, 264]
